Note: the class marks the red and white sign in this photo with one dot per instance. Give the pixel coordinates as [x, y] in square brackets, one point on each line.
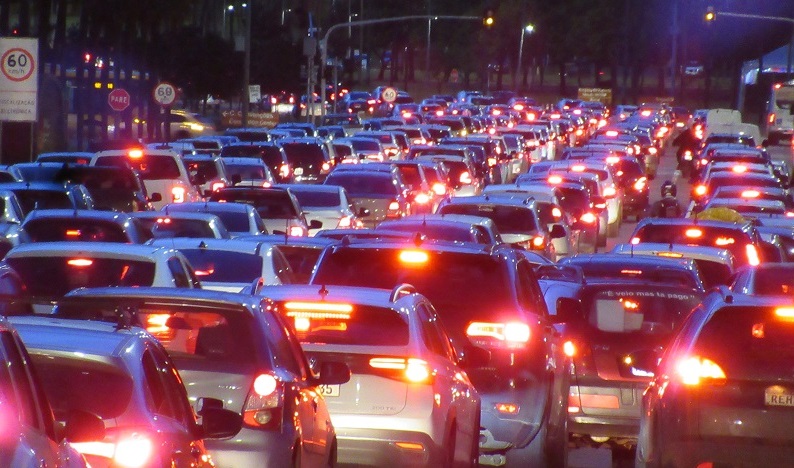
[164, 94]
[389, 94]
[119, 99]
[18, 79]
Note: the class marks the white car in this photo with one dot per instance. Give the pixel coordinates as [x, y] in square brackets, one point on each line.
[408, 402]
[327, 204]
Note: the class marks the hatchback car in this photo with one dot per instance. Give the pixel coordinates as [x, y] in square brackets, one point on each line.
[82, 225]
[379, 192]
[408, 402]
[123, 376]
[237, 349]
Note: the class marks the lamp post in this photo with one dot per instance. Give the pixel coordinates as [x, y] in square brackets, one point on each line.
[530, 28]
[230, 9]
[246, 64]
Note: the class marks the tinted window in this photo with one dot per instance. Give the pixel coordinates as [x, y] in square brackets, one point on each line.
[247, 171]
[364, 326]
[360, 185]
[181, 228]
[301, 260]
[149, 167]
[54, 230]
[224, 266]
[317, 199]
[508, 219]
[37, 273]
[31, 199]
[774, 281]
[655, 273]
[234, 221]
[205, 169]
[181, 279]
[306, 156]
[270, 204]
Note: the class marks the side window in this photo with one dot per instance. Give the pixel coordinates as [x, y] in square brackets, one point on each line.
[432, 334]
[181, 279]
[174, 388]
[280, 346]
[529, 294]
[19, 379]
[157, 400]
[282, 268]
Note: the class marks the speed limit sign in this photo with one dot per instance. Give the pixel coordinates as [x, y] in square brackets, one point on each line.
[164, 94]
[18, 64]
[389, 94]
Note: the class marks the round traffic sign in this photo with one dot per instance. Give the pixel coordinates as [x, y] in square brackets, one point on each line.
[164, 94]
[17, 64]
[389, 94]
[119, 99]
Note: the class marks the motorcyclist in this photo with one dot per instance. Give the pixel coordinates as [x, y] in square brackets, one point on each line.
[688, 144]
[667, 206]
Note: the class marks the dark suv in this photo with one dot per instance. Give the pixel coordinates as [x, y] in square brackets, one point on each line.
[487, 298]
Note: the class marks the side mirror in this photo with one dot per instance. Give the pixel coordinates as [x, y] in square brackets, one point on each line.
[333, 373]
[217, 422]
[156, 197]
[568, 310]
[315, 224]
[363, 212]
[82, 426]
[473, 357]
[557, 231]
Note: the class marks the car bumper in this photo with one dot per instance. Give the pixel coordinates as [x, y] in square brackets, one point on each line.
[604, 426]
[251, 447]
[729, 451]
[378, 447]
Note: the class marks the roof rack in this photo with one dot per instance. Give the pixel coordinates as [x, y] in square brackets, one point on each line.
[401, 290]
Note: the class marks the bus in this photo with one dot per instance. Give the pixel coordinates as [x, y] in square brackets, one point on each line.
[780, 112]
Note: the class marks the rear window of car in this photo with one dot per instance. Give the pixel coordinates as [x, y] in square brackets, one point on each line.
[54, 230]
[362, 326]
[68, 377]
[449, 233]
[224, 266]
[234, 221]
[174, 227]
[411, 176]
[637, 309]
[317, 199]
[572, 200]
[32, 199]
[275, 204]
[303, 155]
[206, 169]
[362, 185]
[508, 219]
[766, 341]
[37, 273]
[774, 281]
[148, 166]
[251, 151]
[247, 171]
[646, 272]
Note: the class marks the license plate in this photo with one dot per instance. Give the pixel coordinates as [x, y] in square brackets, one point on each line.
[778, 397]
[298, 171]
[516, 169]
[328, 390]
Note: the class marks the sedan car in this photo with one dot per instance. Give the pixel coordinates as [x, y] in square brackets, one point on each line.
[124, 377]
[239, 219]
[378, 192]
[408, 402]
[237, 349]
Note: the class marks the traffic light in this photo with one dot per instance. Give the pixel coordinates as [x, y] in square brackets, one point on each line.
[488, 18]
[710, 14]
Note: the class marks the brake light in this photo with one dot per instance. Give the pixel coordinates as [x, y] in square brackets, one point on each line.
[217, 186]
[422, 198]
[751, 194]
[752, 255]
[297, 231]
[610, 192]
[723, 241]
[612, 160]
[509, 335]
[414, 370]
[739, 169]
[326, 166]
[491, 162]
[695, 369]
[579, 132]
[531, 117]
[135, 154]
[263, 404]
[465, 178]
[701, 190]
[80, 262]
[611, 133]
[130, 451]
[178, 194]
[414, 257]
[507, 408]
[284, 171]
[652, 150]
[554, 180]
[577, 168]
[640, 184]
[588, 218]
[394, 206]
[73, 233]
[439, 189]
[772, 118]
[569, 349]
[344, 222]
[693, 233]
[537, 242]
[163, 220]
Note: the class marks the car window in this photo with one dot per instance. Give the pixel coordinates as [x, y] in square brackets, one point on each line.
[174, 388]
[432, 334]
[224, 266]
[181, 279]
[362, 326]
[157, 396]
[282, 267]
[280, 347]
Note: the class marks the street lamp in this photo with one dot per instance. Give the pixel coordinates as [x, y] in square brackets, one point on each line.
[530, 28]
[230, 10]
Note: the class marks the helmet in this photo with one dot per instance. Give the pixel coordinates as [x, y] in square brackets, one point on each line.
[669, 189]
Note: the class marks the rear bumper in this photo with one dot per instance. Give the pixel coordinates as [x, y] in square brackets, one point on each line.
[378, 447]
[604, 426]
[730, 451]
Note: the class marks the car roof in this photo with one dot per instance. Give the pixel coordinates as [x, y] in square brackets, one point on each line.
[348, 294]
[85, 336]
[701, 252]
[205, 297]
[255, 247]
[114, 216]
[73, 248]
[285, 240]
[495, 198]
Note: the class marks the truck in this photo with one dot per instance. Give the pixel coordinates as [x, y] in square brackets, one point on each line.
[780, 112]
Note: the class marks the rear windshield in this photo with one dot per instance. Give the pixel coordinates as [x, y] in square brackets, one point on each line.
[276, 204]
[364, 326]
[765, 339]
[361, 185]
[247, 171]
[205, 169]
[508, 219]
[637, 309]
[32, 199]
[301, 260]
[774, 281]
[431, 231]
[411, 176]
[243, 151]
[572, 200]
[234, 221]
[175, 227]
[317, 199]
[149, 167]
[481, 283]
[304, 155]
[223, 266]
[54, 230]
[68, 377]
[37, 273]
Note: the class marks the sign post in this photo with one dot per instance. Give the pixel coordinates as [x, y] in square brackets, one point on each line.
[164, 94]
[19, 73]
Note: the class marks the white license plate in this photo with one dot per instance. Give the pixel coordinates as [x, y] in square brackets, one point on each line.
[778, 397]
[516, 169]
[298, 171]
[328, 390]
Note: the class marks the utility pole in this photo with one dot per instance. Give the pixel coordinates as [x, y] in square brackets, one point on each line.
[246, 64]
[674, 55]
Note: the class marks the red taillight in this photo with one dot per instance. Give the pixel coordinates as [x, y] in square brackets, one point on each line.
[297, 231]
[772, 118]
[264, 403]
[439, 189]
[413, 370]
[610, 192]
[465, 178]
[491, 162]
[217, 186]
[73, 233]
[422, 198]
[344, 222]
[695, 370]
[588, 218]
[752, 255]
[569, 349]
[394, 206]
[326, 167]
[284, 171]
[178, 194]
[510, 335]
[640, 184]
[80, 262]
[131, 450]
[701, 190]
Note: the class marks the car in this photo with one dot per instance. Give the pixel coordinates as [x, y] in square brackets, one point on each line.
[301, 253]
[708, 403]
[769, 279]
[207, 172]
[238, 349]
[248, 172]
[518, 220]
[82, 225]
[238, 218]
[31, 436]
[161, 171]
[615, 323]
[329, 205]
[278, 208]
[182, 224]
[124, 377]
[379, 192]
[450, 227]
[673, 271]
[310, 159]
[269, 152]
[408, 401]
[232, 265]
[486, 297]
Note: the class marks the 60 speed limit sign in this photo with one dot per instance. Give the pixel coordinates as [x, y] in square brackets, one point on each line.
[164, 94]
[18, 64]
